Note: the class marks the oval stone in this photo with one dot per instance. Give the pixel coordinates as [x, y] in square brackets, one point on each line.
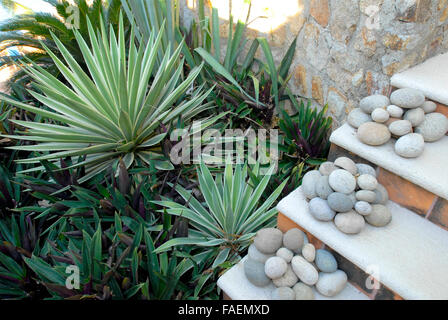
[283, 293]
[434, 127]
[381, 195]
[357, 117]
[342, 181]
[268, 240]
[323, 189]
[256, 255]
[380, 115]
[254, 272]
[415, 116]
[374, 134]
[275, 267]
[285, 254]
[395, 111]
[293, 239]
[303, 292]
[309, 183]
[400, 128]
[410, 145]
[367, 182]
[349, 222]
[407, 98]
[304, 270]
[347, 164]
[340, 202]
[366, 195]
[287, 280]
[320, 209]
[429, 106]
[363, 208]
[330, 284]
[325, 261]
[365, 169]
[309, 252]
[380, 216]
[326, 168]
[370, 103]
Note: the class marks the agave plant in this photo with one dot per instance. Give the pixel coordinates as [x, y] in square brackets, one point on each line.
[231, 214]
[32, 29]
[119, 109]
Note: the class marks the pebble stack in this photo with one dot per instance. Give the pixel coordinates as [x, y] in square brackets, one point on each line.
[406, 117]
[349, 195]
[293, 265]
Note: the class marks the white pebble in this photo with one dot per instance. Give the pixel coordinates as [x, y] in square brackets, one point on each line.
[367, 182]
[395, 111]
[285, 254]
[309, 252]
[380, 115]
[275, 267]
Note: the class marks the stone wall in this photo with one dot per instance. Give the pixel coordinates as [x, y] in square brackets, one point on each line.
[348, 49]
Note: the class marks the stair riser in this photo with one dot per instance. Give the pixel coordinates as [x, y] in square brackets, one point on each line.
[413, 197]
[357, 277]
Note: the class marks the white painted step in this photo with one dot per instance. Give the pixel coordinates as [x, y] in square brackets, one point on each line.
[235, 284]
[430, 77]
[410, 253]
[428, 171]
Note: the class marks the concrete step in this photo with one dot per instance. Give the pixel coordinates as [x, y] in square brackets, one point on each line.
[419, 184]
[236, 287]
[409, 256]
[430, 77]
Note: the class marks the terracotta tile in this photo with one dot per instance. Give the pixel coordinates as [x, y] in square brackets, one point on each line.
[225, 296]
[439, 214]
[406, 193]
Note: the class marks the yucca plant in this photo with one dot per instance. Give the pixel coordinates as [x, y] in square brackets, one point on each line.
[33, 29]
[231, 214]
[119, 109]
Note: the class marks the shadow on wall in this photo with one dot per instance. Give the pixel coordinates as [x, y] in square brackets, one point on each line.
[347, 49]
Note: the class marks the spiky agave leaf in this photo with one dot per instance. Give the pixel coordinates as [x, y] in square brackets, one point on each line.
[115, 111]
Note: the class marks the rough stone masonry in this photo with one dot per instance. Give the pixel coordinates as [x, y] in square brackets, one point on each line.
[348, 49]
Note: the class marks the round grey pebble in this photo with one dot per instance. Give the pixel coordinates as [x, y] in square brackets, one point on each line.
[429, 106]
[275, 267]
[366, 195]
[349, 222]
[285, 254]
[287, 280]
[342, 181]
[373, 134]
[330, 284]
[347, 164]
[268, 240]
[380, 216]
[381, 195]
[340, 202]
[367, 182]
[434, 127]
[254, 272]
[380, 115]
[410, 146]
[323, 189]
[415, 116]
[303, 292]
[395, 111]
[357, 117]
[363, 208]
[293, 239]
[309, 183]
[283, 293]
[365, 169]
[326, 168]
[320, 209]
[325, 261]
[407, 98]
[400, 127]
[370, 103]
[256, 255]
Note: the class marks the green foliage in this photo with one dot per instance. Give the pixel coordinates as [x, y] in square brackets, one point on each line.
[115, 111]
[34, 30]
[231, 215]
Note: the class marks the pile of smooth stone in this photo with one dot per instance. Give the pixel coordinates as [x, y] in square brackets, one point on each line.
[293, 265]
[347, 193]
[406, 116]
